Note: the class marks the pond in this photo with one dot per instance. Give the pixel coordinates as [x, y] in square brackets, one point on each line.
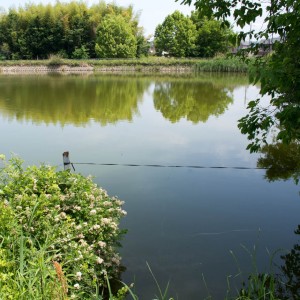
[199, 212]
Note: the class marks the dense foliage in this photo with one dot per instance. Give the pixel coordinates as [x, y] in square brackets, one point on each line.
[58, 234]
[75, 30]
[192, 36]
[278, 73]
[212, 37]
[69, 29]
[115, 38]
[176, 36]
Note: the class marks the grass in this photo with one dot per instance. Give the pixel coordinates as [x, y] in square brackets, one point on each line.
[219, 64]
[258, 285]
[222, 64]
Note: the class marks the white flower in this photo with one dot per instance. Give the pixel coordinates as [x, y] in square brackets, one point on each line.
[62, 215]
[76, 207]
[119, 202]
[95, 227]
[115, 260]
[83, 243]
[78, 275]
[90, 248]
[99, 260]
[77, 286]
[62, 197]
[105, 221]
[93, 212]
[101, 244]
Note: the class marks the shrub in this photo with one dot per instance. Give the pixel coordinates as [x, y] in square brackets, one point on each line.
[58, 234]
[55, 60]
[80, 53]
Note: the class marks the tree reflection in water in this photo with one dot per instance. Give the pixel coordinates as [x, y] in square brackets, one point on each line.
[195, 101]
[282, 161]
[71, 99]
[112, 98]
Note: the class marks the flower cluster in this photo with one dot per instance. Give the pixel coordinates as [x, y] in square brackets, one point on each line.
[69, 214]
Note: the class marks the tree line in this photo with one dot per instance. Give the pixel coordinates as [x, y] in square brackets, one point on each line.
[71, 30]
[193, 36]
[76, 30]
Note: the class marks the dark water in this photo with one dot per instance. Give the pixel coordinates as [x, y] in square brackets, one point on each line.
[191, 225]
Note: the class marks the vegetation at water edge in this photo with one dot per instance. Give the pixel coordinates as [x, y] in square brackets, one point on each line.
[59, 234]
[153, 64]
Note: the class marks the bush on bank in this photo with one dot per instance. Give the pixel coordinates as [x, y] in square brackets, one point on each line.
[58, 234]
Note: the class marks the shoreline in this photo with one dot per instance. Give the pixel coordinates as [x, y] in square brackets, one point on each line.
[145, 65]
[66, 69]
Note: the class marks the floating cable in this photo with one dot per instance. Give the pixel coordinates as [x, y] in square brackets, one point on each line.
[168, 166]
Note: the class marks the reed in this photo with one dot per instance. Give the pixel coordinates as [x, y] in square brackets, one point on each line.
[257, 285]
[218, 64]
[228, 65]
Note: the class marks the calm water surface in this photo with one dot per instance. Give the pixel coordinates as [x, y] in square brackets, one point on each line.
[183, 221]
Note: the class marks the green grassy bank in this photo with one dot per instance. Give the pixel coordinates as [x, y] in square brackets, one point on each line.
[219, 64]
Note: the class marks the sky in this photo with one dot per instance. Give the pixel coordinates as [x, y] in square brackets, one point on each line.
[152, 12]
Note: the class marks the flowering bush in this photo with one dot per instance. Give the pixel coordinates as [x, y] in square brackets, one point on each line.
[58, 234]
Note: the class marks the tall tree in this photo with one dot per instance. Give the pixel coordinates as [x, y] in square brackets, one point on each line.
[212, 37]
[115, 38]
[176, 36]
[278, 73]
[143, 46]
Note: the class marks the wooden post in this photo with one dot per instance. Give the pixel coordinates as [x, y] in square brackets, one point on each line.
[66, 160]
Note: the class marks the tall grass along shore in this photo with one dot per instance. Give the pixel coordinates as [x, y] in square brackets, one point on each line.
[153, 64]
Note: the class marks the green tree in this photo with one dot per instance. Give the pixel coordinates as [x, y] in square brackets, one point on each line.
[80, 53]
[115, 38]
[278, 73]
[143, 46]
[78, 32]
[176, 35]
[4, 51]
[11, 32]
[212, 37]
